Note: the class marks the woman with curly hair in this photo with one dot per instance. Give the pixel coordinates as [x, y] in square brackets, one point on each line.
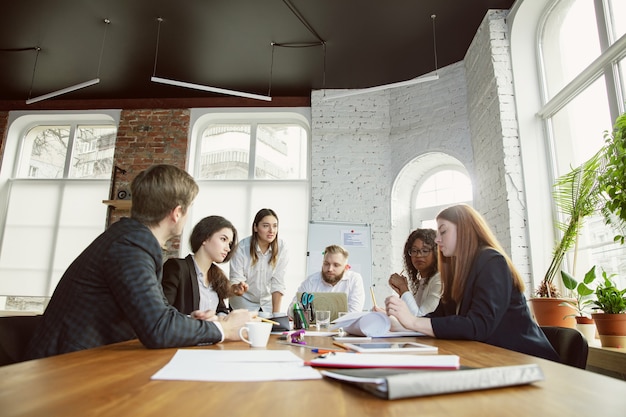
[421, 290]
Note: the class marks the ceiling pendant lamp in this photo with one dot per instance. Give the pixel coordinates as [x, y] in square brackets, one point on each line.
[194, 86]
[418, 80]
[70, 88]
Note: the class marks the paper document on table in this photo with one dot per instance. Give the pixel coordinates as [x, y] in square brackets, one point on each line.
[385, 360]
[369, 323]
[235, 365]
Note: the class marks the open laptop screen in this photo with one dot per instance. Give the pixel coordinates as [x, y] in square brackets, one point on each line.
[335, 302]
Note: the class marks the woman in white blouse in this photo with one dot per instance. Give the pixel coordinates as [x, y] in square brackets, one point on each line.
[421, 290]
[257, 268]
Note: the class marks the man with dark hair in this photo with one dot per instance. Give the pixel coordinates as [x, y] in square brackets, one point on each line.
[112, 291]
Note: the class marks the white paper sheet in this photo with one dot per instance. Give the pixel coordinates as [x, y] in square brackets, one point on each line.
[235, 365]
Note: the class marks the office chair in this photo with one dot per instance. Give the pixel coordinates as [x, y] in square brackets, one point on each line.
[569, 343]
[15, 333]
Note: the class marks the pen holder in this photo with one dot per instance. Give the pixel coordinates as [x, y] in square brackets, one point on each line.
[299, 318]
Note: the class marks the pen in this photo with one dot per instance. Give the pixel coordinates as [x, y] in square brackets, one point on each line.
[373, 298]
[313, 348]
[316, 350]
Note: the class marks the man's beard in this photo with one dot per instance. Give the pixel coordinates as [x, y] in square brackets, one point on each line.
[331, 280]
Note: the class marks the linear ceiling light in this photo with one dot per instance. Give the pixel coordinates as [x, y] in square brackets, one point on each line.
[63, 91]
[418, 80]
[200, 87]
[355, 92]
[209, 88]
[75, 86]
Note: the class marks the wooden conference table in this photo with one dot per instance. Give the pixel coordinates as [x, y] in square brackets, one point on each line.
[115, 381]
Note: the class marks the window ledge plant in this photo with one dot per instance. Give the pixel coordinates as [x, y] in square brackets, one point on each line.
[611, 322]
[583, 300]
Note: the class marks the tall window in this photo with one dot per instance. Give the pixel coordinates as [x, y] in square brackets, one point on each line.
[438, 191]
[582, 99]
[56, 171]
[246, 161]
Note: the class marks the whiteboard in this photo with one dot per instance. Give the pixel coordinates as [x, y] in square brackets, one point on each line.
[356, 238]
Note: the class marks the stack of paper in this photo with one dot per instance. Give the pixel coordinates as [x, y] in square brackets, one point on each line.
[235, 365]
[369, 323]
[385, 360]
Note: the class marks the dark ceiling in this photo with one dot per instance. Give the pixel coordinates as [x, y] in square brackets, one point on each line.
[227, 44]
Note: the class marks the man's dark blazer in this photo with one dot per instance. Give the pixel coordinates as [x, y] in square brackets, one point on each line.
[492, 311]
[112, 293]
[180, 285]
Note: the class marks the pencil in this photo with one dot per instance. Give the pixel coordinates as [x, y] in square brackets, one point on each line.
[270, 321]
[373, 298]
[341, 345]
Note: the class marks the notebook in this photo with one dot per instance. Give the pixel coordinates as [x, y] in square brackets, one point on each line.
[335, 302]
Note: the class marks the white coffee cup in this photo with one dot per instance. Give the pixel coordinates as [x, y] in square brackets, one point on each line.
[258, 333]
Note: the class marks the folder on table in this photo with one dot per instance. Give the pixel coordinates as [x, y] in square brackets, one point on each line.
[393, 384]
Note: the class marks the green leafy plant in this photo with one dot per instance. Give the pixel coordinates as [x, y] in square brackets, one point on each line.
[613, 178]
[577, 195]
[609, 298]
[598, 185]
[582, 292]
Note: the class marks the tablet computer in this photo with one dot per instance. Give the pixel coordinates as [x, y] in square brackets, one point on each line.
[389, 347]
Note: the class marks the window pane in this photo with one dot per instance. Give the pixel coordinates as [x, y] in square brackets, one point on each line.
[225, 152]
[569, 42]
[44, 152]
[92, 156]
[579, 133]
[68, 215]
[281, 152]
[618, 11]
[621, 68]
[579, 127]
[443, 188]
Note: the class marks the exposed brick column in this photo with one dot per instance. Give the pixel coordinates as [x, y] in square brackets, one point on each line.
[147, 137]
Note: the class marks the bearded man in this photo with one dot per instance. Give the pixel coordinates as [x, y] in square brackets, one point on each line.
[336, 276]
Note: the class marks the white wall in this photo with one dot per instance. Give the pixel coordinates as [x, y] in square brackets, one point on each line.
[361, 143]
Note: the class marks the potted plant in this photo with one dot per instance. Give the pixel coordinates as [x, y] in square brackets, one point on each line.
[597, 185]
[611, 321]
[582, 301]
[577, 195]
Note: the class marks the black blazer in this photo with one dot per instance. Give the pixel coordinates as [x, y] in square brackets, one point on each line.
[180, 286]
[492, 311]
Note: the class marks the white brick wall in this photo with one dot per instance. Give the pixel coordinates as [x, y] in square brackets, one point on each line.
[499, 191]
[361, 143]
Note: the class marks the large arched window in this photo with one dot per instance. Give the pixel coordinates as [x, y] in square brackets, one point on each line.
[438, 190]
[56, 170]
[245, 160]
[580, 49]
[425, 186]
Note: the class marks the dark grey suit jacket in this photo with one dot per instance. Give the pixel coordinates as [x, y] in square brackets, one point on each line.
[112, 293]
[492, 311]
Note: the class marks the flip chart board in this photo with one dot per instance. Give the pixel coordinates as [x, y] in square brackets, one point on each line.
[356, 238]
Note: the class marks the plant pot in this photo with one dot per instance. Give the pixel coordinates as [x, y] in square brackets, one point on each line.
[611, 329]
[548, 312]
[586, 327]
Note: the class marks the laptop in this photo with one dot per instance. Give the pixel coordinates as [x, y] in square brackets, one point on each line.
[335, 302]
